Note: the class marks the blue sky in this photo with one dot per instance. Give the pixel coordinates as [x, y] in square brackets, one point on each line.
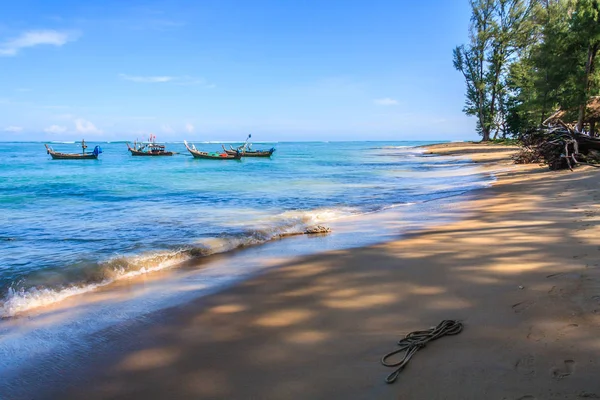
[218, 70]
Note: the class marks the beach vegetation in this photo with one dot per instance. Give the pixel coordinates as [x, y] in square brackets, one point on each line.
[527, 59]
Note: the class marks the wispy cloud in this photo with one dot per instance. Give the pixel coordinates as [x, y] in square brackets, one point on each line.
[14, 129]
[147, 79]
[167, 129]
[85, 126]
[55, 129]
[189, 127]
[35, 38]
[177, 80]
[386, 101]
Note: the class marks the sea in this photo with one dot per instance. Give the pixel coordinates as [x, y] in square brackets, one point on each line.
[93, 250]
[68, 227]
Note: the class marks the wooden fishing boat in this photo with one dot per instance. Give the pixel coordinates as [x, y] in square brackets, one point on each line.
[75, 156]
[246, 150]
[149, 149]
[213, 155]
[250, 153]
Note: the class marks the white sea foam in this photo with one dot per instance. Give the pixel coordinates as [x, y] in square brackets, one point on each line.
[18, 301]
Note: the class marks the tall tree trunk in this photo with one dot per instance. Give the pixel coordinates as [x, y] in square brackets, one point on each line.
[486, 134]
[592, 50]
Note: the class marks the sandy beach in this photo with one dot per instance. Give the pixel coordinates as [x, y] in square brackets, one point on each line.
[520, 268]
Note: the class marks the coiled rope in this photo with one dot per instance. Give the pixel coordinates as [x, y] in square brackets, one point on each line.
[415, 341]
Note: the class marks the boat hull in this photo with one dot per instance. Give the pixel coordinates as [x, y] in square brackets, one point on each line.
[207, 156]
[147, 154]
[65, 156]
[71, 156]
[264, 154]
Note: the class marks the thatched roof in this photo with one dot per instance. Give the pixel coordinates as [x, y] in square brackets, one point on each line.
[592, 112]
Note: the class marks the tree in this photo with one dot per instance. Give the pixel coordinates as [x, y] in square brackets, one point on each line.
[539, 80]
[471, 61]
[585, 27]
[499, 28]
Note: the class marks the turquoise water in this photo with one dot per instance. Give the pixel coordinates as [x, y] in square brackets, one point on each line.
[69, 225]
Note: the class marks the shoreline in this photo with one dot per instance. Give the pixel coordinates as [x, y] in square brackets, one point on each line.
[316, 326]
[38, 298]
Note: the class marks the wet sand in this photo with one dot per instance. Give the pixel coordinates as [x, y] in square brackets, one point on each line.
[521, 269]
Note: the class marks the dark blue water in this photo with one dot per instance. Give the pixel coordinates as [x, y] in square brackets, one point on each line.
[72, 224]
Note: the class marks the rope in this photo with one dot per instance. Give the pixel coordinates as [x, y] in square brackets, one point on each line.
[415, 341]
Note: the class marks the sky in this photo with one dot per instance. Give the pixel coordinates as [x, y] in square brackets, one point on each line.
[221, 69]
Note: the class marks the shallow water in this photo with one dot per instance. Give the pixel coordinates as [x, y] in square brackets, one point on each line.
[67, 227]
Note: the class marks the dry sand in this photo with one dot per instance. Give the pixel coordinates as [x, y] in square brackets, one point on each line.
[521, 269]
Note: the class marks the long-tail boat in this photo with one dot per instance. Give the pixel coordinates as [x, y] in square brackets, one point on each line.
[246, 150]
[75, 156]
[149, 149]
[212, 155]
[251, 153]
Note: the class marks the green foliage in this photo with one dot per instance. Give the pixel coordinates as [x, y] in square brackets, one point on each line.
[528, 58]
[499, 28]
[539, 78]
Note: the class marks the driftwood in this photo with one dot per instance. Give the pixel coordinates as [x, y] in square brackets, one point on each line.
[559, 146]
[316, 230]
[313, 230]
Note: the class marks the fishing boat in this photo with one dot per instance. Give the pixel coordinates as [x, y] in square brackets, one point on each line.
[250, 153]
[75, 156]
[212, 155]
[246, 150]
[149, 149]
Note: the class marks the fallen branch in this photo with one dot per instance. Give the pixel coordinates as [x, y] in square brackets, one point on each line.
[558, 146]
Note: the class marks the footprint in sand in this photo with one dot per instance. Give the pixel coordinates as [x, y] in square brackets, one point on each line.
[526, 365]
[568, 328]
[560, 373]
[522, 306]
[565, 330]
[535, 334]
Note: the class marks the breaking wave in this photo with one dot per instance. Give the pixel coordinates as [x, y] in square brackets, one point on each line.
[21, 297]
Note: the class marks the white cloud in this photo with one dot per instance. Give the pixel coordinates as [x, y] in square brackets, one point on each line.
[177, 80]
[55, 129]
[35, 38]
[147, 79]
[386, 101]
[85, 126]
[14, 129]
[189, 127]
[167, 129]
